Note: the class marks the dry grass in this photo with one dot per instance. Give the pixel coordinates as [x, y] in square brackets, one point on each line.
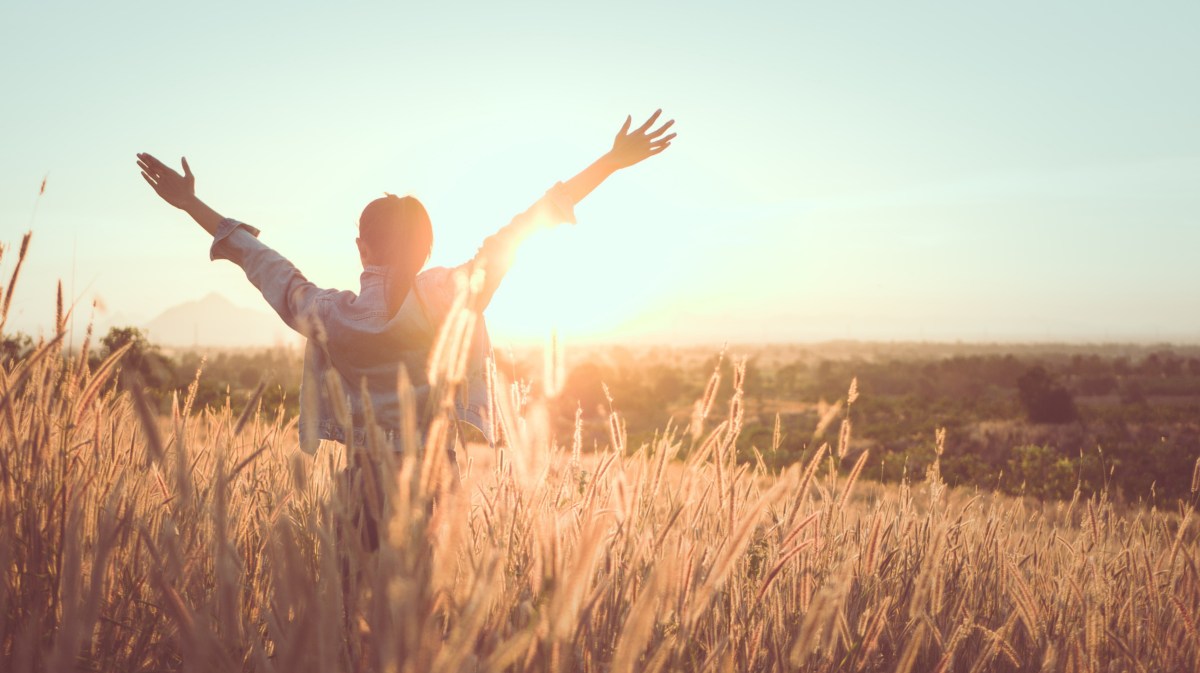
[205, 541]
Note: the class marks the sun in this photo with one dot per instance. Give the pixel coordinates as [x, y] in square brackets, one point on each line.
[572, 283]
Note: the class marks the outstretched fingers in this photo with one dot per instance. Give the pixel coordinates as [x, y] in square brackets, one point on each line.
[150, 160]
[631, 147]
[147, 172]
[660, 130]
[664, 139]
[165, 181]
[659, 144]
[151, 165]
[649, 122]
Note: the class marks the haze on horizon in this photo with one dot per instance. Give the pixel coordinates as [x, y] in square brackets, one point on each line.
[950, 171]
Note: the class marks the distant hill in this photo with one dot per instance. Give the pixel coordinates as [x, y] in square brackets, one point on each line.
[217, 322]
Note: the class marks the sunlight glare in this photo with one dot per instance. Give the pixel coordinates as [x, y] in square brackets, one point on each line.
[582, 284]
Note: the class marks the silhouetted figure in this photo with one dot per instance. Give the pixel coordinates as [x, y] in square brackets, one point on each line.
[393, 320]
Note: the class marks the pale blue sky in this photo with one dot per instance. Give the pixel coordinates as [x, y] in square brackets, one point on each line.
[1015, 170]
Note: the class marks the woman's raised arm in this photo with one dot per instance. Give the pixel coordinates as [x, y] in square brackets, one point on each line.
[558, 205]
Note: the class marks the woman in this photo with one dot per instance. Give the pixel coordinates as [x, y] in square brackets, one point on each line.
[360, 345]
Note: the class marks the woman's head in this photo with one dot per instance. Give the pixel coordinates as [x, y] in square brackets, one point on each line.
[395, 231]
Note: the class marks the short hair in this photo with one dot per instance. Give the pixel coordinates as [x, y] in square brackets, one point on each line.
[397, 228]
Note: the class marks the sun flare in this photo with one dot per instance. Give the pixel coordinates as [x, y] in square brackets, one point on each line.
[570, 282]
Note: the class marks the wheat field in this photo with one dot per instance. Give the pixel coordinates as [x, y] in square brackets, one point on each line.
[205, 541]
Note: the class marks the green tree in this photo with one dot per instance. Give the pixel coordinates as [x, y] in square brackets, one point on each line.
[585, 387]
[142, 358]
[1044, 398]
[14, 347]
[1042, 471]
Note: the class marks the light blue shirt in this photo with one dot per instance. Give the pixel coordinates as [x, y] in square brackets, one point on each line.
[353, 344]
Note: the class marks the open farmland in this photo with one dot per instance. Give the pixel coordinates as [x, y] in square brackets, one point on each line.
[203, 540]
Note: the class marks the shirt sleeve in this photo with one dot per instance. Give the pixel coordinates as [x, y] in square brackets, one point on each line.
[292, 295]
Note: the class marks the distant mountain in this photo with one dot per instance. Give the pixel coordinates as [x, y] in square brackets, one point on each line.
[215, 321]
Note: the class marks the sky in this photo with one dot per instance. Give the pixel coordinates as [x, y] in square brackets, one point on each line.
[984, 171]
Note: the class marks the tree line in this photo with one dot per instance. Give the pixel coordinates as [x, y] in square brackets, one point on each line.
[1039, 422]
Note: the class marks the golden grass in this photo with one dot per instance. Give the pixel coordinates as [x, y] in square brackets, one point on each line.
[206, 541]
